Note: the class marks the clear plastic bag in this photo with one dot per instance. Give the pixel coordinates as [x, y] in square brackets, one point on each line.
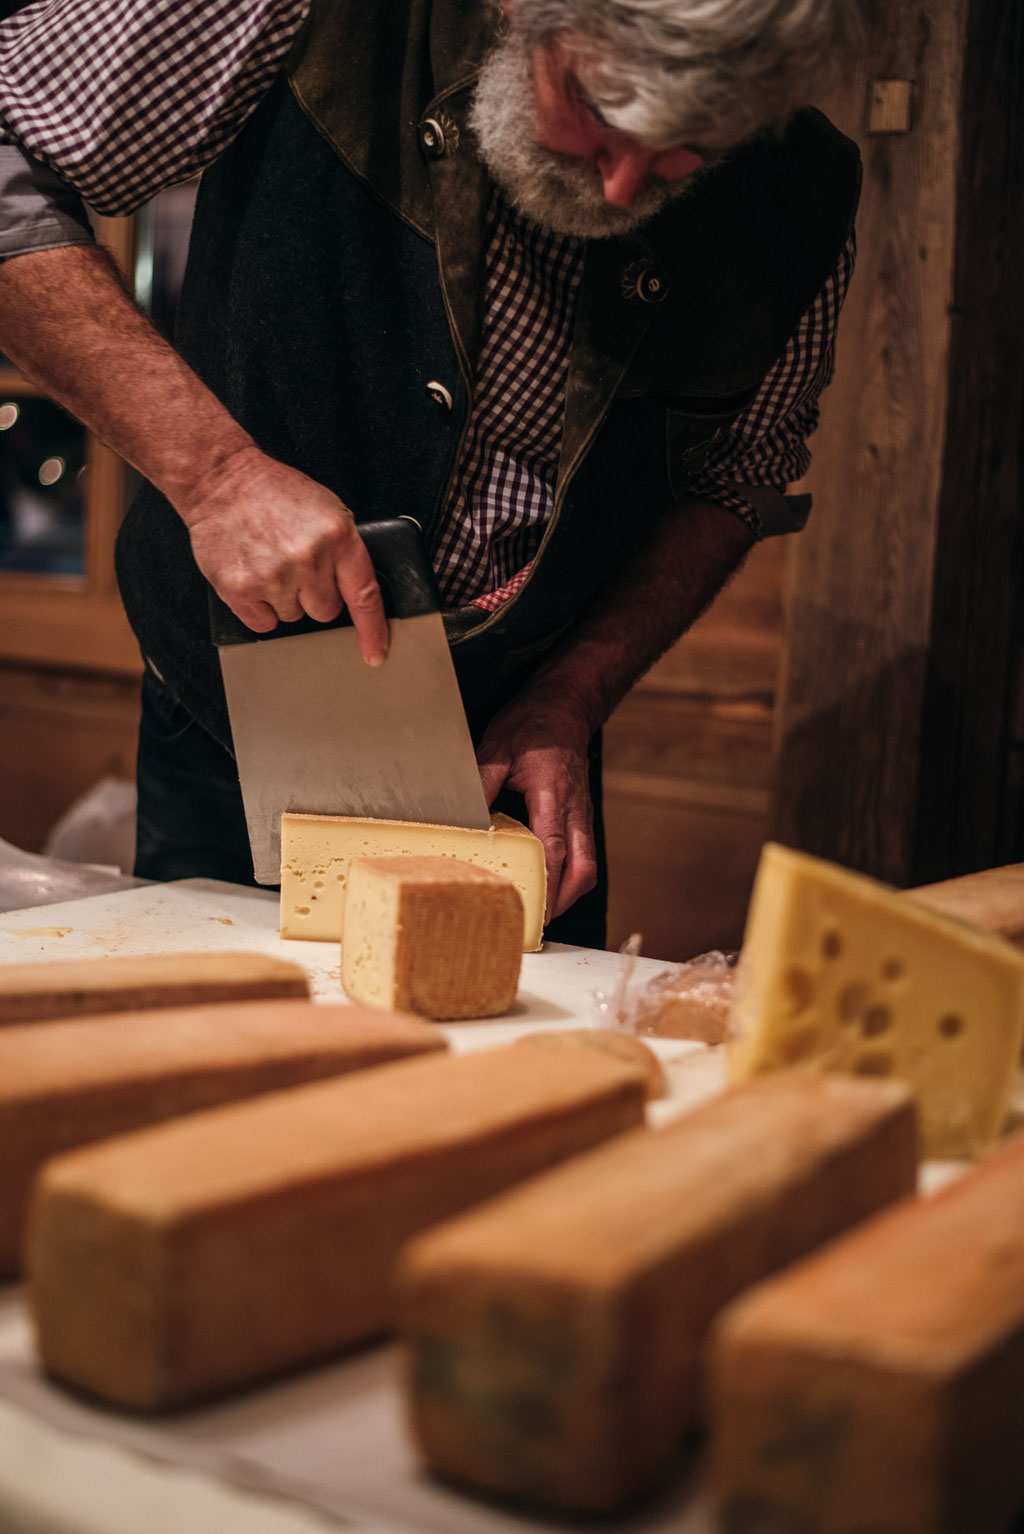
[683, 1001]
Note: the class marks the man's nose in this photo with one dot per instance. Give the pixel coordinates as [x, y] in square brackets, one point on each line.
[624, 168]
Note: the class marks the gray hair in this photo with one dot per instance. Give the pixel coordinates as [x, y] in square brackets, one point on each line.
[707, 72]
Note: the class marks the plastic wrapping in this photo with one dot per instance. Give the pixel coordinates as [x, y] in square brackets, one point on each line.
[683, 1001]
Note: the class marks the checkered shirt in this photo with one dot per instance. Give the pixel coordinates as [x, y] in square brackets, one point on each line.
[124, 97]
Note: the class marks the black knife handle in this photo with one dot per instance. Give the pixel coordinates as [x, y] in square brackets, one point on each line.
[406, 581]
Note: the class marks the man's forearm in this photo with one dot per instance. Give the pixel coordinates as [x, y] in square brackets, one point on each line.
[273, 543]
[68, 324]
[661, 591]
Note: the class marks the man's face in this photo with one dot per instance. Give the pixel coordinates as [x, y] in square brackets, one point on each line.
[555, 158]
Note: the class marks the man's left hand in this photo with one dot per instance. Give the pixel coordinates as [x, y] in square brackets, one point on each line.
[538, 747]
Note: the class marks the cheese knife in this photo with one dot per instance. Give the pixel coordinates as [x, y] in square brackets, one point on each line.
[317, 730]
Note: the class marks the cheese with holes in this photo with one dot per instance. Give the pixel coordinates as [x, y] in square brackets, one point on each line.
[556, 1335]
[78, 987]
[316, 851]
[841, 973]
[431, 935]
[179, 1261]
[72, 1083]
[879, 1385]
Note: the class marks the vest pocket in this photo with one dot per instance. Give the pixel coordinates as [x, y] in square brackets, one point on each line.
[690, 438]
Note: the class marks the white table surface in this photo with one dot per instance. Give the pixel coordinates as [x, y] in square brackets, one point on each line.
[325, 1449]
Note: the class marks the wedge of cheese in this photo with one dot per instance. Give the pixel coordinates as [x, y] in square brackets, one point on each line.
[431, 935]
[316, 851]
[179, 1261]
[880, 1384]
[75, 1082]
[841, 973]
[555, 1336]
[79, 987]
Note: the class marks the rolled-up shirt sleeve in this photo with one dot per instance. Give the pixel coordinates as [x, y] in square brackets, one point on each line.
[120, 98]
[38, 211]
[765, 449]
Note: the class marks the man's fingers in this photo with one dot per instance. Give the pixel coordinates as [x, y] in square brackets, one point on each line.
[258, 616]
[579, 870]
[493, 776]
[322, 601]
[357, 585]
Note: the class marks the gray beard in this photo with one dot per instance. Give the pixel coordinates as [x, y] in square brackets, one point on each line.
[554, 190]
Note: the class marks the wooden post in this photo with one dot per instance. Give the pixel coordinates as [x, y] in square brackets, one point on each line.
[899, 727]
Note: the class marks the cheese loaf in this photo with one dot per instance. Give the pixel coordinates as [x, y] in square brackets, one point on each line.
[609, 1041]
[556, 1335]
[431, 935]
[317, 850]
[880, 1384]
[75, 1082]
[180, 1261]
[37, 992]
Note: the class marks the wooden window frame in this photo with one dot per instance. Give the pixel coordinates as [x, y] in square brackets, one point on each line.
[77, 621]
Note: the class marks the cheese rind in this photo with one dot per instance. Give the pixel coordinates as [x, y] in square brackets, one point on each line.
[841, 973]
[621, 1046]
[431, 935]
[73, 1083]
[316, 851]
[184, 1260]
[879, 1384]
[555, 1336]
[80, 987]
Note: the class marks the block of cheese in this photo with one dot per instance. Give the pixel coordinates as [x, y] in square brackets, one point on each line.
[841, 973]
[993, 899]
[431, 935]
[879, 1385]
[316, 851]
[622, 1046]
[555, 1336]
[48, 989]
[75, 1082]
[182, 1260]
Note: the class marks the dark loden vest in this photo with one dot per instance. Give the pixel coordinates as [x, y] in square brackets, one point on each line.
[335, 270]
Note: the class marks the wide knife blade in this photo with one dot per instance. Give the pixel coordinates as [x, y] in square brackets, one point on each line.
[319, 731]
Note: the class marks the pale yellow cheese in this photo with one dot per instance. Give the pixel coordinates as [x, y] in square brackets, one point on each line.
[842, 973]
[316, 851]
[431, 935]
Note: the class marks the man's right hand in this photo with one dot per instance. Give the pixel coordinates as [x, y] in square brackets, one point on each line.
[275, 545]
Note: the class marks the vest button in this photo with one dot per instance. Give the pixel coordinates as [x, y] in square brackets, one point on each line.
[651, 285]
[432, 139]
[644, 280]
[439, 394]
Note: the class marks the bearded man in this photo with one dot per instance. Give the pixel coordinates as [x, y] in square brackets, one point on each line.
[560, 281]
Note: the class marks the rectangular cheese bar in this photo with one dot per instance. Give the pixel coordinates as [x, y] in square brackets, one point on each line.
[47, 989]
[556, 1335]
[879, 1385]
[316, 851]
[841, 973]
[180, 1261]
[431, 935]
[992, 899]
[75, 1082]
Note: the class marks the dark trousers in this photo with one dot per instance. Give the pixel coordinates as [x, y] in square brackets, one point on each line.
[191, 822]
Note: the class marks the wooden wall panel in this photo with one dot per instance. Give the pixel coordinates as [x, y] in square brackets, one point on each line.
[860, 610]
[899, 675]
[62, 733]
